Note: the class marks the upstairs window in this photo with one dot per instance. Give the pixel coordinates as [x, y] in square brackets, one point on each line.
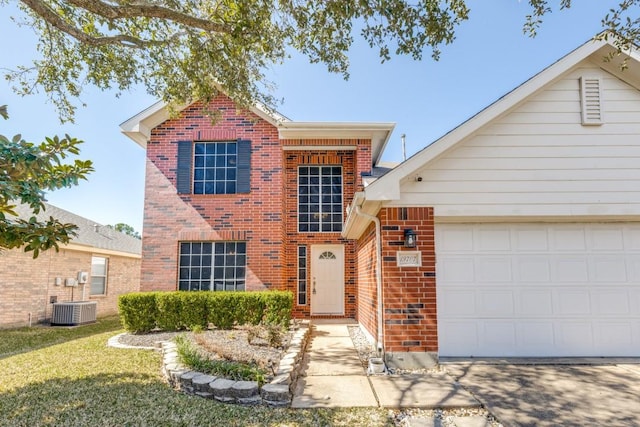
[320, 199]
[213, 167]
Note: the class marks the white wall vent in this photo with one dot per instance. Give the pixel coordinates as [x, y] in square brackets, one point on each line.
[591, 99]
[73, 313]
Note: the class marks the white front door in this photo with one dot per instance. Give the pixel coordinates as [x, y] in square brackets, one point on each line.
[327, 279]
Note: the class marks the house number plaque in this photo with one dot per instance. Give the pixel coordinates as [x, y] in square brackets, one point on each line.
[409, 258]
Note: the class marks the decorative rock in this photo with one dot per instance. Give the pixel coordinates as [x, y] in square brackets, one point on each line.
[175, 375]
[275, 394]
[171, 367]
[285, 368]
[185, 380]
[188, 376]
[221, 389]
[245, 389]
[166, 345]
[281, 379]
[289, 358]
[202, 381]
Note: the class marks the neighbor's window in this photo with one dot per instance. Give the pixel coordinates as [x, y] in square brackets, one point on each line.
[319, 199]
[212, 266]
[215, 168]
[99, 269]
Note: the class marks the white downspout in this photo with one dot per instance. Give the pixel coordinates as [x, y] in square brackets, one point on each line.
[379, 339]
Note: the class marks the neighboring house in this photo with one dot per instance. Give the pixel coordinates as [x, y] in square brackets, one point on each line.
[28, 286]
[515, 234]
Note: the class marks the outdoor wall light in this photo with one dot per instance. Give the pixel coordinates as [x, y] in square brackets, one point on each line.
[409, 238]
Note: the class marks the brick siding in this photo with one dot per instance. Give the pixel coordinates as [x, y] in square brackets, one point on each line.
[410, 316]
[266, 218]
[255, 217]
[409, 293]
[28, 284]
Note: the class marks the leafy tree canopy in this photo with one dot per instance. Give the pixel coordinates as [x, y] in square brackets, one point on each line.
[27, 170]
[182, 50]
[126, 229]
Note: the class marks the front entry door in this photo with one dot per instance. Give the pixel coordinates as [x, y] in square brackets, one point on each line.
[327, 279]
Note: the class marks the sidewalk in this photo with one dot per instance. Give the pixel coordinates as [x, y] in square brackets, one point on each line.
[332, 376]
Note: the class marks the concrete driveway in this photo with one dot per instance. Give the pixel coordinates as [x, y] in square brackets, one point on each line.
[554, 394]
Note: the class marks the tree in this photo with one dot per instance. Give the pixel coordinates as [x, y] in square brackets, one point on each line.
[191, 49]
[126, 229]
[26, 171]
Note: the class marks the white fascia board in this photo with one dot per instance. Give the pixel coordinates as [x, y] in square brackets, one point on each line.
[356, 224]
[79, 247]
[378, 133]
[388, 186]
[139, 127]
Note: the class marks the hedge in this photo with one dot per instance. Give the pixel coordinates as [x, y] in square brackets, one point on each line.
[172, 311]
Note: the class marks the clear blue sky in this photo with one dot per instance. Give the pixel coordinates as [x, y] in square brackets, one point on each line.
[490, 57]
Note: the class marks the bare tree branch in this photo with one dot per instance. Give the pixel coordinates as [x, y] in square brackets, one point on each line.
[50, 16]
[139, 9]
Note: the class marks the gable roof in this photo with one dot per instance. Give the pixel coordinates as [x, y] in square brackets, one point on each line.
[91, 235]
[387, 187]
[139, 127]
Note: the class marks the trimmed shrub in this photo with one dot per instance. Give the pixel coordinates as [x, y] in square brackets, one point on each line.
[173, 311]
[182, 310]
[138, 311]
[169, 311]
[278, 306]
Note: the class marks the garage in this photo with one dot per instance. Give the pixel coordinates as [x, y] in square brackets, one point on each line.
[538, 290]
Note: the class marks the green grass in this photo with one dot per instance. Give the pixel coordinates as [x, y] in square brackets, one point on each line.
[14, 341]
[53, 377]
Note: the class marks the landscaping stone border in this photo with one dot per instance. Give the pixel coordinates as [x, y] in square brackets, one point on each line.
[277, 393]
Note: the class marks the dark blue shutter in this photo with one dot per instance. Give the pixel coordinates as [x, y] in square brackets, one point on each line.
[243, 176]
[183, 173]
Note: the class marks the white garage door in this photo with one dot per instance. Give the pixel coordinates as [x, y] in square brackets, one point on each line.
[538, 289]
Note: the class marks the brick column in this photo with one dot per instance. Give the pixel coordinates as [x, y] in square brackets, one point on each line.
[409, 293]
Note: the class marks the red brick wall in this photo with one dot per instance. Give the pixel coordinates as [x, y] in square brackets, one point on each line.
[366, 278]
[266, 218]
[409, 292]
[255, 217]
[27, 284]
[350, 181]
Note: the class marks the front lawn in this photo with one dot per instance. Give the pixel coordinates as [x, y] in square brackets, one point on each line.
[67, 376]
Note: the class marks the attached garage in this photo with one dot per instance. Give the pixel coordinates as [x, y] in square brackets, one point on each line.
[536, 221]
[528, 289]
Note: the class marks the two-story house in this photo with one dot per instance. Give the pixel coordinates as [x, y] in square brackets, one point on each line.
[515, 234]
[254, 201]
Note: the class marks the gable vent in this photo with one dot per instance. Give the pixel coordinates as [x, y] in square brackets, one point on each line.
[591, 97]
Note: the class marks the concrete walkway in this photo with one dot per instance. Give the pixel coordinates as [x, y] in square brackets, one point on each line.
[332, 376]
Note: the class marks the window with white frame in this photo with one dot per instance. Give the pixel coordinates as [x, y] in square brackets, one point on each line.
[212, 266]
[99, 271]
[319, 199]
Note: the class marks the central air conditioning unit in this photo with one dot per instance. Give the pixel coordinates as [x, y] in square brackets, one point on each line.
[73, 313]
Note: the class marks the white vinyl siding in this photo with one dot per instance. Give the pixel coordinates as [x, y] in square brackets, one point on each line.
[539, 159]
[527, 289]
